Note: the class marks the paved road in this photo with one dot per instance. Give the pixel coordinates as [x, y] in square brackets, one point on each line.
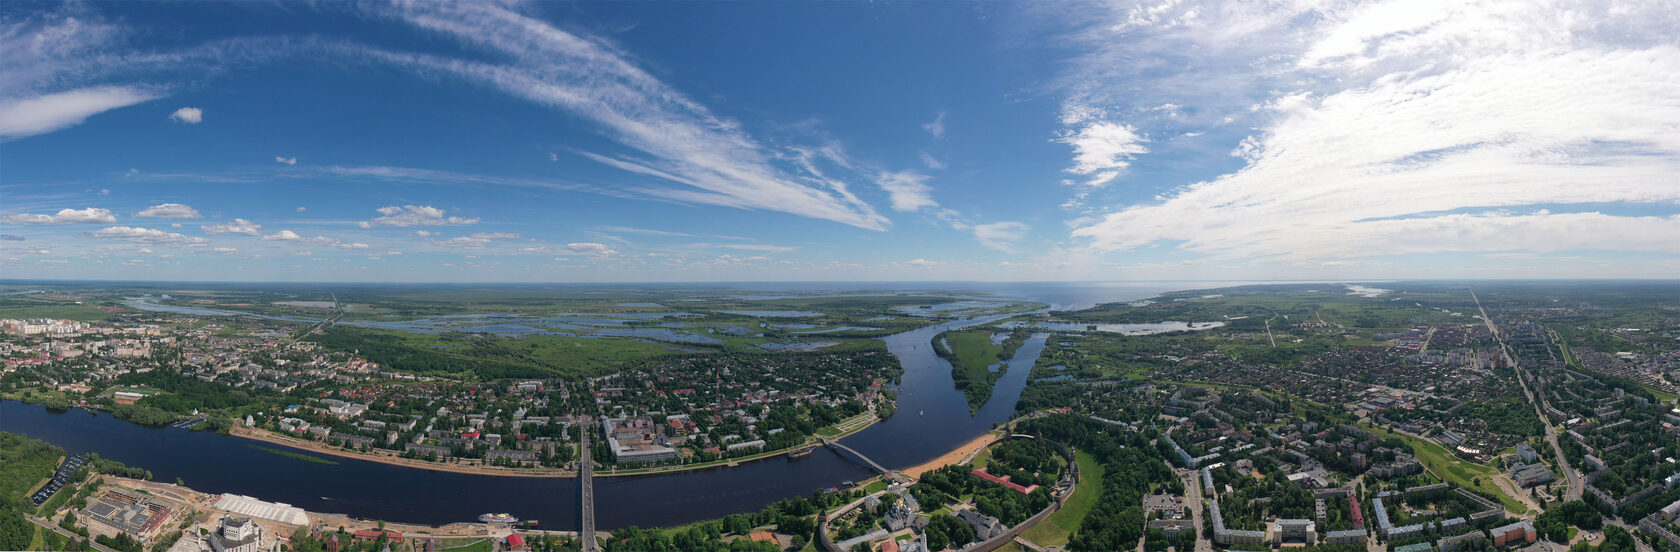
[60, 530]
[1193, 494]
[586, 476]
[1575, 487]
[1638, 545]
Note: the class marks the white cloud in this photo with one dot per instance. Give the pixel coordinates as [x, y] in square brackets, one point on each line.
[169, 211]
[290, 236]
[1397, 127]
[928, 160]
[760, 247]
[1103, 148]
[1001, 236]
[907, 190]
[238, 226]
[937, 127]
[596, 249]
[285, 160]
[414, 215]
[187, 115]
[21, 117]
[301, 209]
[475, 241]
[145, 235]
[91, 215]
[226, 250]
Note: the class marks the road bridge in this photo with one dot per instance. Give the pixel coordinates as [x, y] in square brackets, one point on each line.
[586, 479]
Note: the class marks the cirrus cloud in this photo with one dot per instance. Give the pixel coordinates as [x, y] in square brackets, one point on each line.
[50, 112]
[1389, 127]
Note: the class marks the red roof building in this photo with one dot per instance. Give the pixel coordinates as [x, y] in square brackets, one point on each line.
[981, 473]
[515, 542]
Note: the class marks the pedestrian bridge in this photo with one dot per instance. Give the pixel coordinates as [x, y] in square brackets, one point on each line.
[866, 460]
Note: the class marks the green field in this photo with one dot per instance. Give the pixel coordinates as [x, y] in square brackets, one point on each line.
[975, 351]
[24, 306]
[1448, 467]
[1058, 528]
[971, 354]
[466, 545]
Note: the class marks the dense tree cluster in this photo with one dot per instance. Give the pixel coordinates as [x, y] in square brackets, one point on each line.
[945, 531]
[485, 357]
[1131, 465]
[1554, 524]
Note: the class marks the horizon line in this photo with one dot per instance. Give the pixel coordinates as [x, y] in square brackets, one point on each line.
[15, 281]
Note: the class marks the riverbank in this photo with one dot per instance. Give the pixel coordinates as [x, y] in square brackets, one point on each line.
[392, 457]
[956, 456]
[201, 502]
[850, 426]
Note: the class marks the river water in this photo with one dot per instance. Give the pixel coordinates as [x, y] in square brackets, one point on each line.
[932, 418]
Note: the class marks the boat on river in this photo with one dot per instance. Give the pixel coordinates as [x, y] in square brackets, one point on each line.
[497, 518]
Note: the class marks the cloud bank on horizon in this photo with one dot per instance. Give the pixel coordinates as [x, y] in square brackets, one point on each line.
[1117, 140]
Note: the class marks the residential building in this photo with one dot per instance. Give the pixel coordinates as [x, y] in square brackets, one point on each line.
[1519, 531]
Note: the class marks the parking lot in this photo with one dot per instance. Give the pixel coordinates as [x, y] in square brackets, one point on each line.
[59, 479]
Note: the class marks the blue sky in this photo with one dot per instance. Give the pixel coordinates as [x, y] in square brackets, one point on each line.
[644, 141]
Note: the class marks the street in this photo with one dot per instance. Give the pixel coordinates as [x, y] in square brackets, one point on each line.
[67, 534]
[1575, 487]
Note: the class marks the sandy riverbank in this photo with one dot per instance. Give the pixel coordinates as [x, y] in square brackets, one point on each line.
[957, 456]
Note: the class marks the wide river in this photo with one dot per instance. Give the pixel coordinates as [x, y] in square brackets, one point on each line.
[932, 419]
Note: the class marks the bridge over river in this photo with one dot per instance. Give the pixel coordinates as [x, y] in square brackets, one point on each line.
[871, 463]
